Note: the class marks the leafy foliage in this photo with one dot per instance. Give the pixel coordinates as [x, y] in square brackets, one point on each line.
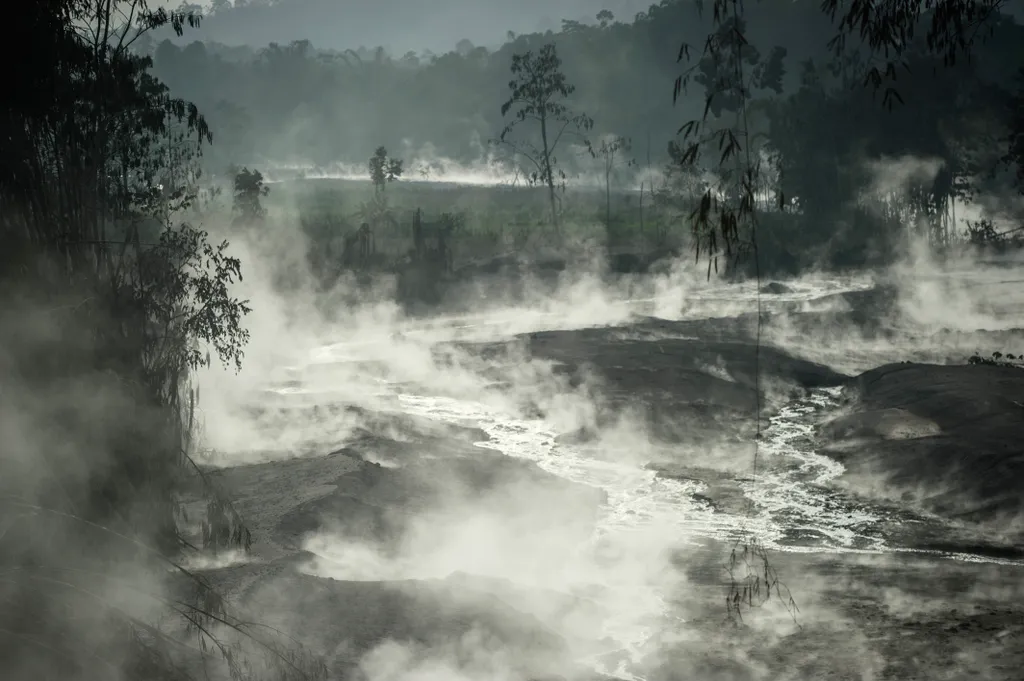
[538, 92]
[983, 234]
[99, 170]
[997, 359]
[609, 150]
[285, 99]
[248, 189]
[753, 582]
[888, 30]
[725, 219]
[730, 69]
[375, 213]
[184, 281]
[384, 169]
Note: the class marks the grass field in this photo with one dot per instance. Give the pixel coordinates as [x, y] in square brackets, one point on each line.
[474, 223]
[494, 219]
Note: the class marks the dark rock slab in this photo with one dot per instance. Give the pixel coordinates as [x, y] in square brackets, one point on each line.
[447, 618]
[775, 288]
[378, 503]
[950, 438]
[690, 380]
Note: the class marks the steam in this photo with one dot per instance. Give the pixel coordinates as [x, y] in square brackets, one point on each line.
[897, 175]
[64, 578]
[491, 168]
[329, 369]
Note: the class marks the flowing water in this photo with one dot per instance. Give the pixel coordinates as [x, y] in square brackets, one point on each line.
[791, 509]
[791, 506]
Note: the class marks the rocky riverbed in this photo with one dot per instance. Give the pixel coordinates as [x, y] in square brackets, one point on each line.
[559, 502]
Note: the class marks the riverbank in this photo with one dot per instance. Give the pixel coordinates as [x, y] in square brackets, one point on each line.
[946, 440]
[568, 515]
[358, 552]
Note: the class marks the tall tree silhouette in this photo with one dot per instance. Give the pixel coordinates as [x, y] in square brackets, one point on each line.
[538, 93]
[98, 165]
[248, 190]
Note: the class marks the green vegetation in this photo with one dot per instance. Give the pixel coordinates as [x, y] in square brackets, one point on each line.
[248, 189]
[539, 89]
[376, 213]
[845, 169]
[114, 295]
[997, 359]
[610, 151]
[112, 298]
[495, 219]
[748, 156]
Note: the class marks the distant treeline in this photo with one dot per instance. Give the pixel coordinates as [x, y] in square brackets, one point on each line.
[326, 105]
[836, 155]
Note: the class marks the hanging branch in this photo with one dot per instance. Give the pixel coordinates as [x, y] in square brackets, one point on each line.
[724, 221]
[887, 29]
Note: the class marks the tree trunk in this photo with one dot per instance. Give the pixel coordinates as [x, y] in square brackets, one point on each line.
[417, 234]
[952, 216]
[641, 207]
[607, 198]
[548, 171]
[554, 209]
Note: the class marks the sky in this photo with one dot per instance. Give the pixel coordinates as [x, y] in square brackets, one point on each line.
[398, 25]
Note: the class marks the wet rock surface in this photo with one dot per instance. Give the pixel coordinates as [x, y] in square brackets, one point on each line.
[932, 444]
[948, 439]
[775, 288]
[691, 381]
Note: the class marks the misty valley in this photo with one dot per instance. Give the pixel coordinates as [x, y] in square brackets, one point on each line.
[646, 344]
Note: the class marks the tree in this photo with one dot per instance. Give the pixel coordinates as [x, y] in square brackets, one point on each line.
[952, 115]
[384, 169]
[608, 151]
[99, 171]
[888, 29]
[248, 189]
[730, 69]
[725, 222]
[538, 92]
[809, 130]
[570, 26]
[605, 17]
[376, 212]
[952, 29]
[98, 150]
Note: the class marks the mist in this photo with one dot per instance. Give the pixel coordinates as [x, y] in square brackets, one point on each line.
[386, 342]
[589, 530]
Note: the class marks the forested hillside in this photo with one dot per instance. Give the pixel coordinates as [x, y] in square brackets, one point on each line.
[324, 105]
[851, 158]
